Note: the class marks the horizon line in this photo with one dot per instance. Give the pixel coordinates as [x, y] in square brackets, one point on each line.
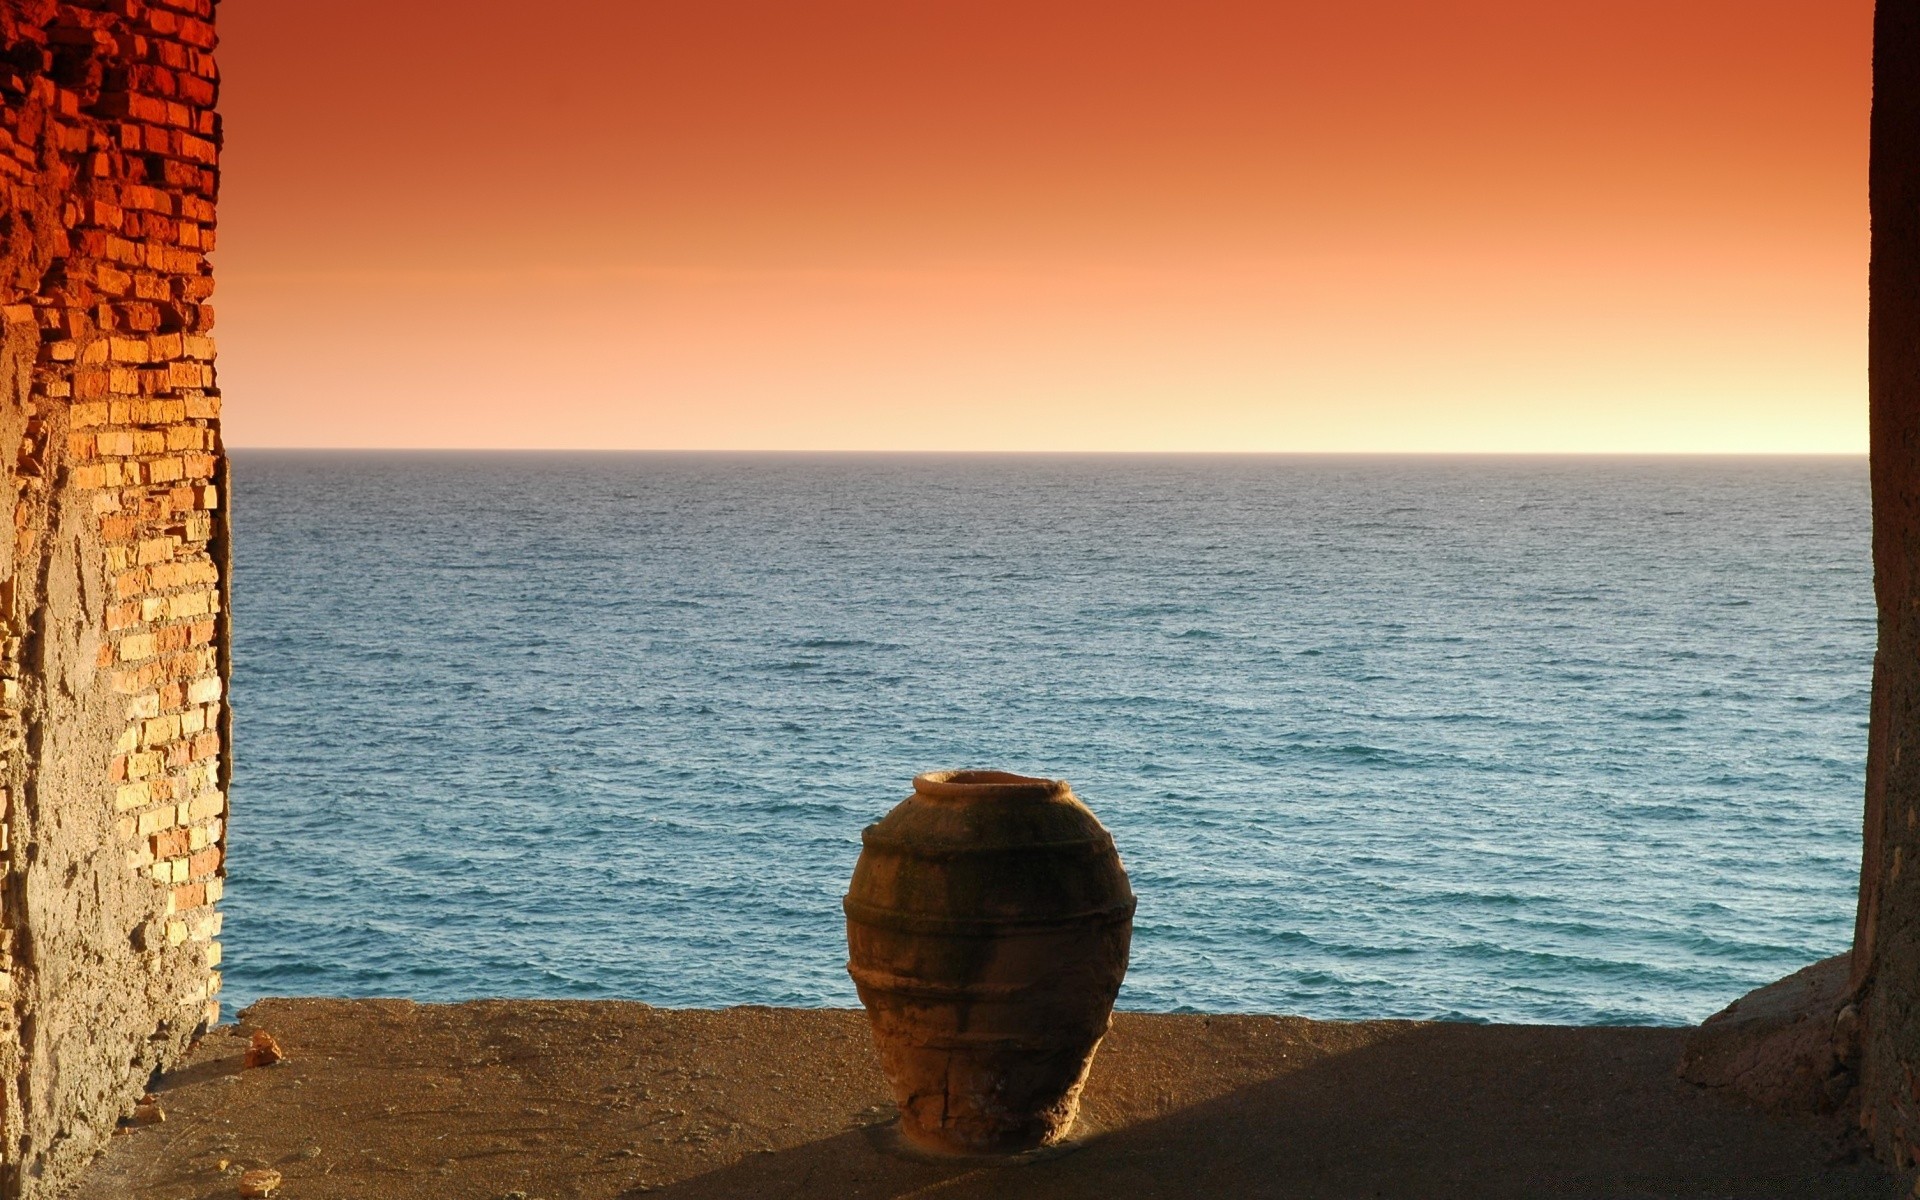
[285, 449]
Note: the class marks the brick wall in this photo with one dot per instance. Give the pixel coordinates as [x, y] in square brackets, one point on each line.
[113, 590]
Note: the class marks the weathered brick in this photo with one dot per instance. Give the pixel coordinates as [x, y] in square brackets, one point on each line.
[206, 862]
[160, 730]
[123, 401]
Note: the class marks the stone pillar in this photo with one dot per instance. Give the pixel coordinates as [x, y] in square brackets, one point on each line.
[113, 640]
[1885, 966]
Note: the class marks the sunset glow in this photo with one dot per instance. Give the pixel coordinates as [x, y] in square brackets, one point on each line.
[1477, 225]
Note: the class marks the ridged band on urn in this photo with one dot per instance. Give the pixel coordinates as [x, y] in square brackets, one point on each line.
[987, 931]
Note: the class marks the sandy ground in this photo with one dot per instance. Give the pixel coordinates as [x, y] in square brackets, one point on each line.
[388, 1100]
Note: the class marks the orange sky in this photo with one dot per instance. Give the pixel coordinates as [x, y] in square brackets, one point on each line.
[1637, 225]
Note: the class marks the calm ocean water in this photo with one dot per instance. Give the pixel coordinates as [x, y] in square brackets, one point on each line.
[1520, 740]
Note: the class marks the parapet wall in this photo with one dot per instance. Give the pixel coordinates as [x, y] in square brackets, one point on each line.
[113, 654]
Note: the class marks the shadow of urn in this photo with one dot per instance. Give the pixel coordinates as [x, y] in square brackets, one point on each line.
[987, 931]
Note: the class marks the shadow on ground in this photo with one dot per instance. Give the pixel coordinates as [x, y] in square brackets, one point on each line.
[1437, 1111]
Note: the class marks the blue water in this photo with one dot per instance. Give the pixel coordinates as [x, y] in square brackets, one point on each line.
[1541, 740]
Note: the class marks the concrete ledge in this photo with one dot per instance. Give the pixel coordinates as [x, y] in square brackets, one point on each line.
[611, 1101]
[1790, 1047]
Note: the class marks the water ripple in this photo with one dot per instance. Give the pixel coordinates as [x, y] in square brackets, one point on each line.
[1515, 740]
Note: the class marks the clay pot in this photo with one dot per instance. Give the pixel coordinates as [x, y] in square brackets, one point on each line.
[987, 931]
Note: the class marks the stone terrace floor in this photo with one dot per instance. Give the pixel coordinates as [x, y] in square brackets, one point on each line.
[389, 1100]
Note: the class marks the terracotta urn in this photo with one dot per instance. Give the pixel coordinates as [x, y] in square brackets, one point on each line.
[987, 931]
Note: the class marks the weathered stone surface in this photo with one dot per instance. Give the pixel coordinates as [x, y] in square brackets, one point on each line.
[1785, 1046]
[609, 1101]
[112, 589]
[1886, 956]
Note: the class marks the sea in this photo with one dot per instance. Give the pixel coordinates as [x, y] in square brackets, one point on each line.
[1552, 740]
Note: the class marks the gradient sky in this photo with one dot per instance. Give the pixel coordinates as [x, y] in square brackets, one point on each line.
[1431, 225]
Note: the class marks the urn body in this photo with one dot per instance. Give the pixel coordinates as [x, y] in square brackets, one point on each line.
[987, 932]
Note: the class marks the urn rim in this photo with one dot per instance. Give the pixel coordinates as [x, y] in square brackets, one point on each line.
[973, 785]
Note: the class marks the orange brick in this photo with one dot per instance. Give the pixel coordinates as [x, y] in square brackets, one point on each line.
[206, 862]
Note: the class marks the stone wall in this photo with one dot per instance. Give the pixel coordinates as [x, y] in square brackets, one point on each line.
[1886, 953]
[113, 654]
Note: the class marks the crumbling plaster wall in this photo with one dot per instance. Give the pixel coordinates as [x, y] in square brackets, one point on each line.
[112, 587]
